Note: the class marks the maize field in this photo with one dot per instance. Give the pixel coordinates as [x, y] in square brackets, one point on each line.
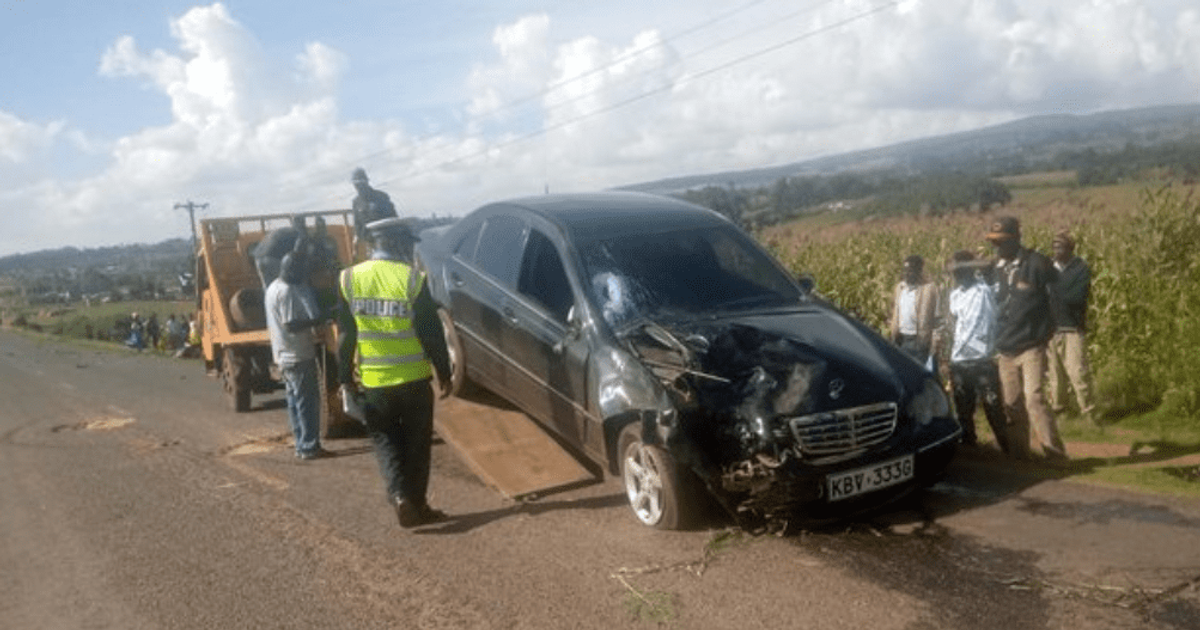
[1141, 241]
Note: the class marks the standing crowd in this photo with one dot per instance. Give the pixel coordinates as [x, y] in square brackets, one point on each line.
[1006, 326]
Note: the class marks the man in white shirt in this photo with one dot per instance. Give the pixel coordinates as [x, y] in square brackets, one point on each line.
[973, 371]
[915, 313]
[292, 313]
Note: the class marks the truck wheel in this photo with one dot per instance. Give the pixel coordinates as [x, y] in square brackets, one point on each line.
[658, 493]
[234, 374]
[458, 360]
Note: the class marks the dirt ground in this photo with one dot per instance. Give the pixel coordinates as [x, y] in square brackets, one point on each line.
[135, 499]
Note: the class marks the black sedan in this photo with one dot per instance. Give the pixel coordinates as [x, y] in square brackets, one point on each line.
[665, 344]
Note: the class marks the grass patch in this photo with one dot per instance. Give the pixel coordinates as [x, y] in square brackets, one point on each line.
[1178, 481]
[655, 607]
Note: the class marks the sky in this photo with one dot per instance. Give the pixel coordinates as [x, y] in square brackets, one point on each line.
[113, 114]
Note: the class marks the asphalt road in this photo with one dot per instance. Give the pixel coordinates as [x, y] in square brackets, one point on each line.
[132, 498]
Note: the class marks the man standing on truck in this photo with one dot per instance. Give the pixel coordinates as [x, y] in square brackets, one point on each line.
[388, 317]
[369, 204]
[292, 313]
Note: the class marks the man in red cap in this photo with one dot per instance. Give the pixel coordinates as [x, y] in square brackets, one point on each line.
[1024, 326]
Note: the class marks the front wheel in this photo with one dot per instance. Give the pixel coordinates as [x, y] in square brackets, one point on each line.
[656, 487]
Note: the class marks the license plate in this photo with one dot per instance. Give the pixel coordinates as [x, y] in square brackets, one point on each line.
[868, 478]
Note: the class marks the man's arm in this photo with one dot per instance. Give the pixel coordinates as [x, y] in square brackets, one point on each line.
[305, 313]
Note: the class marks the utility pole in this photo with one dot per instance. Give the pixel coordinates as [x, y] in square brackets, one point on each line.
[191, 208]
[191, 219]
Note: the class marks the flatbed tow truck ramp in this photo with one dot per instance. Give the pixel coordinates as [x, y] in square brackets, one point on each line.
[508, 450]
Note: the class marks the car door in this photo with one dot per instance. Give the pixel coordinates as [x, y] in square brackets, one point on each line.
[482, 274]
[548, 357]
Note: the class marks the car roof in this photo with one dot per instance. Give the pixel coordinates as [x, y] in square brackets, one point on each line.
[606, 214]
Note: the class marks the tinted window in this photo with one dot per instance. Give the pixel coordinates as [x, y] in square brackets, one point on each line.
[543, 278]
[499, 248]
[465, 248]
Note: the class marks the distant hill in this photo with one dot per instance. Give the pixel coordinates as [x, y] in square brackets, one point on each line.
[173, 253]
[1008, 148]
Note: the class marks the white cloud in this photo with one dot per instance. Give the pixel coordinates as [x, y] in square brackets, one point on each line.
[20, 140]
[252, 132]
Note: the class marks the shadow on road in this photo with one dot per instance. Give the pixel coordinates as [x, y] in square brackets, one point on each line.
[461, 523]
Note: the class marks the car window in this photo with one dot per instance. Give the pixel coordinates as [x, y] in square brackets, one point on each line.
[498, 253]
[465, 248]
[543, 278]
[693, 270]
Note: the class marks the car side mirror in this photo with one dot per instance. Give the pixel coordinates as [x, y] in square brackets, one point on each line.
[574, 330]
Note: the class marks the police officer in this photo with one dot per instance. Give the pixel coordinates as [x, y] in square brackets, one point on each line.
[388, 317]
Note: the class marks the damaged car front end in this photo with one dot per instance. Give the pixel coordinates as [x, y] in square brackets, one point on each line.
[778, 429]
[777, 404]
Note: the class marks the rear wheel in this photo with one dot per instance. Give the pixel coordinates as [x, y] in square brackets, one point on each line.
[235, 376]
[458, 363]
[657, 489]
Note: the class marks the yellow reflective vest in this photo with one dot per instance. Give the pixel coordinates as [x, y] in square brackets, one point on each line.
[380, 295]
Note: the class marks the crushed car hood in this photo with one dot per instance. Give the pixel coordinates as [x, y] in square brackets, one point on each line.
[815, 358]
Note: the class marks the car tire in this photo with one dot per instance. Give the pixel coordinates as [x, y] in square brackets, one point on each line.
[458, 359]
[657, 489]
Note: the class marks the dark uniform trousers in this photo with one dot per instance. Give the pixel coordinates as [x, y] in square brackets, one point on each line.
[399, 421]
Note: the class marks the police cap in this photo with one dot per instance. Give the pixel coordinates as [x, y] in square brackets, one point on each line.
[393, 226]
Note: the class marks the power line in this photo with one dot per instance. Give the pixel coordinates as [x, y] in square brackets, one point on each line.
[632, 54]
[648, 93]
[638, 97]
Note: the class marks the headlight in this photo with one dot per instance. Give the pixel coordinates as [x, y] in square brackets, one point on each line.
[929, 403]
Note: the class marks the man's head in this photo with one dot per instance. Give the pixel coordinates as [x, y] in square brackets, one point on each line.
[1005, 236]
[914, 267]
[1063, 246]
[293, 268]
[961, 265]
[358, 178]
[393, 235]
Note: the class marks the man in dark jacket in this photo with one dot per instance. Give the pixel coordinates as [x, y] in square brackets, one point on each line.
[1068, 348]
[1024, 326]
[369, 204]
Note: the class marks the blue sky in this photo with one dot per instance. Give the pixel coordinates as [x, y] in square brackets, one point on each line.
[111, 113]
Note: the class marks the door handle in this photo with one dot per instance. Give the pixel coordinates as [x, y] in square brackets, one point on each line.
[456, 279]
[510, 315]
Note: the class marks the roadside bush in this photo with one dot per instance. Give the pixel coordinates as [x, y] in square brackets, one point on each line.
[78, 327]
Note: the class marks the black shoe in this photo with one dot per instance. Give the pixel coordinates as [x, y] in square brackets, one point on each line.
[316, 453]
[410, 514]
